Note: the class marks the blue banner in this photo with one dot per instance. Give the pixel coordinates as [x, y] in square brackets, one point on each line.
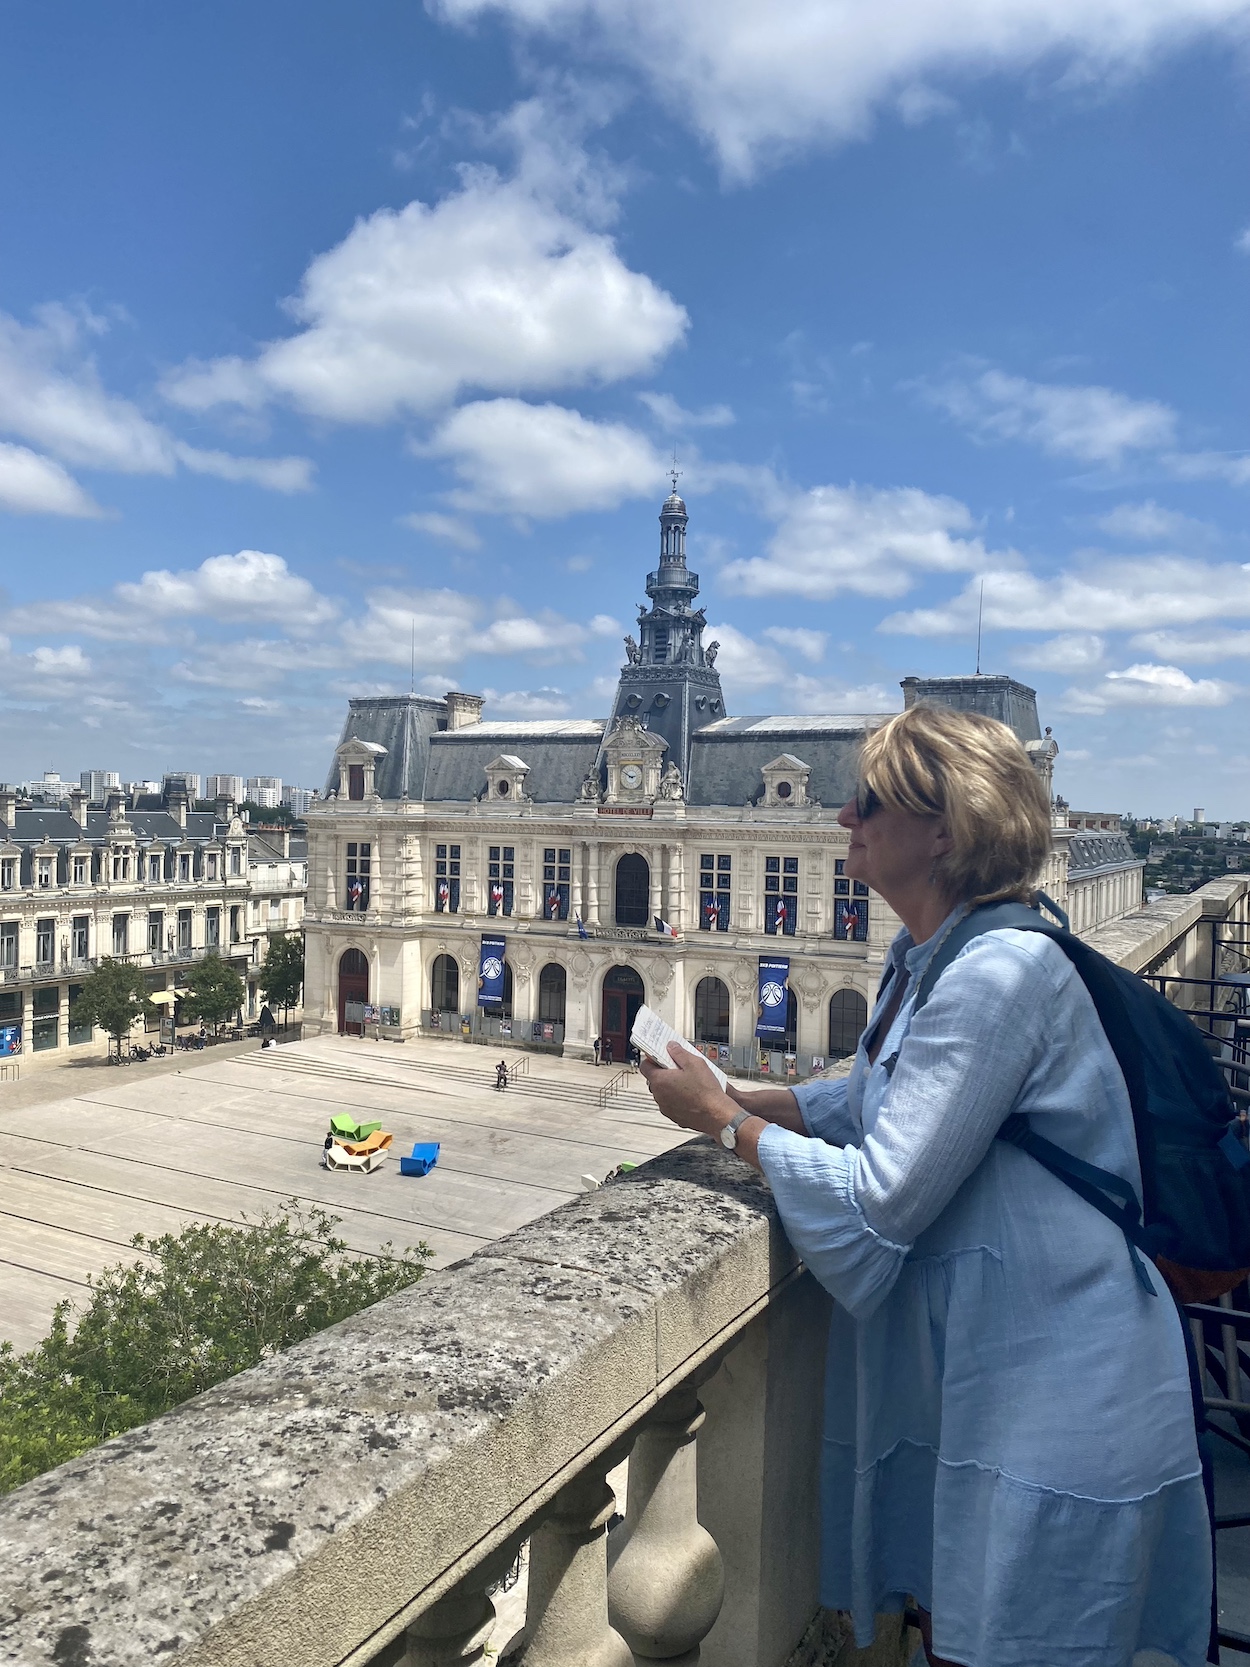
[490, 973]
[773, 997]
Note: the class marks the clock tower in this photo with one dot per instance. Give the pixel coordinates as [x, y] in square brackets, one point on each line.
[669, 686]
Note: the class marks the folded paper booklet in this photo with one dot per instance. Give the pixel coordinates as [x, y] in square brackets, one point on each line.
[653, 1036]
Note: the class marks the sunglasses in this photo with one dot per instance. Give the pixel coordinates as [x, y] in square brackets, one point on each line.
[866, 801]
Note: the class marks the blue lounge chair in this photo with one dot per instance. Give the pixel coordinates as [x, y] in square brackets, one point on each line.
[424, 1157]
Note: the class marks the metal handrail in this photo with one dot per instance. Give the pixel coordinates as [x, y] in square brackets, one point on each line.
[614, 1087]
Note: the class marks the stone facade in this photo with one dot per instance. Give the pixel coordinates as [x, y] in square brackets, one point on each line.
[573, 839]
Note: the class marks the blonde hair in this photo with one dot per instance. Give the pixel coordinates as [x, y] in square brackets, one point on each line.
[972, 770]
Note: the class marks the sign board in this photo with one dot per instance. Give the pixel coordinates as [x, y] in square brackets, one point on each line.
[10, 1040]
[490, 972]
[773, 997]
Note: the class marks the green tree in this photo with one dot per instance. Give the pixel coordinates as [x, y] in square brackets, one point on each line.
[113, 997]
[282, 975]
[202, 1305]
[214, 991]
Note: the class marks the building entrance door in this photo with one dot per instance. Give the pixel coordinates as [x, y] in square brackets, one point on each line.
[353, 991]
[623, 995]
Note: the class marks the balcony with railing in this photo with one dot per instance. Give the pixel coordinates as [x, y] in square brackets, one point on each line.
[358, 1500]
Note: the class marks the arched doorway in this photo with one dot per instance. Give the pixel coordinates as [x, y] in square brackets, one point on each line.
[623, 995]
[711, 1011]
[633, 890]
[505, 1011]
[848, 1014]
[552, 989]
[788, 1042]
[353, 988]
[445, 985]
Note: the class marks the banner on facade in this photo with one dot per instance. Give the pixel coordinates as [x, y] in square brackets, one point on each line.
[774, 971]
[490, 973]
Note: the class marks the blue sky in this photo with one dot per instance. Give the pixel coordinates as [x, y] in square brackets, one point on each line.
[317, 320]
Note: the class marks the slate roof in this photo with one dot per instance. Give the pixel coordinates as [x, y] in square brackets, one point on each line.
[403, 724]
[728, 756]
[37, 827]
[1099, 850]
[558, 755]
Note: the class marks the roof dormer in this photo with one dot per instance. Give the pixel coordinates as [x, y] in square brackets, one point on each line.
[785, 783]
[505, 780]
[358, 762]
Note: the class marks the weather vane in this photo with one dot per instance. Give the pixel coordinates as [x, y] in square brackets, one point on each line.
[674, 473]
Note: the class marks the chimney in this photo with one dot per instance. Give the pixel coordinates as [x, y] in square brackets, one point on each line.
[78, 806]
[116, 805]
[909, 686]
[463, 710]
[225, 808]
[177, 807]
[8, 807]
[284, 834]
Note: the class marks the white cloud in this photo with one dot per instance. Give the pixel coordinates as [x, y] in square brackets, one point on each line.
[871, 541]
[918, 104]
[1231, 467]
[492, 288]
[446, 626]
[527, 703]
[251, 585]
[69, 661]
[812, 694]
[744, 663]
[762, 81]
[1197, 647]
[603, 625]
[1072, 652]
[34, 485]
[278, 474]
[1094, 424]
[543, 460]
[449, 528]
[666, 411]
[248, 586]
[750, 666]
[51, 395]
[1149, 685]
[1149, 523]
[1119, 595]
[1242, 242]
[799, 639]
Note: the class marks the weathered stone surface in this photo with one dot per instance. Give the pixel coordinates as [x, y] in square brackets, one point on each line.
[304, 1507]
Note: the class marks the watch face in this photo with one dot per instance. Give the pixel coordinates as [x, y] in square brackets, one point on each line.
[631, 776]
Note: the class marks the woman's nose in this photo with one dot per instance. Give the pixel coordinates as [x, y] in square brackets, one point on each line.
[848, 816]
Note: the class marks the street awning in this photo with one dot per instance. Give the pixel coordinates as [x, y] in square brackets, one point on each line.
[163, 998]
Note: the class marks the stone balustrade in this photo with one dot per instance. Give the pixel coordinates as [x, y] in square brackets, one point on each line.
[354, 1500]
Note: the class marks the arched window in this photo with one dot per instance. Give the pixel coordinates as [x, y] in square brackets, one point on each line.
[711, 1011]
[633, 890]
[355, 781]
[848, 1014]
[505, 1010]
[552, 985]
[353, 991]
[445, 985]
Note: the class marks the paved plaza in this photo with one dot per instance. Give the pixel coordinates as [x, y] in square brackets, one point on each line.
[234, 1135]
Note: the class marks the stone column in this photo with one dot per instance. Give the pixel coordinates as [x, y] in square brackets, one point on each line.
[655, 855]
[576, 907]
[566, 1616]
[677, 888]
[592, 884]
[667, 1581]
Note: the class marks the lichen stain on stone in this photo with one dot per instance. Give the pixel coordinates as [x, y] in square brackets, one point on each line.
[73, 1647]
[279, 1536]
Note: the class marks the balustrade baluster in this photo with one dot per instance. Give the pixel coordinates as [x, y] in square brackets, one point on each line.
[667, 1579]
[566, 1615]
[454, 1631]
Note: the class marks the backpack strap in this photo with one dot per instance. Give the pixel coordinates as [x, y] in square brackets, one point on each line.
[1111, 1195]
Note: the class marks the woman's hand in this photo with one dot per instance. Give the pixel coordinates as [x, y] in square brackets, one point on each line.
[690, 1095]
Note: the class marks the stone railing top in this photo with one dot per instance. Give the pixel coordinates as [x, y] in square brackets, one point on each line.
[1139, 939]
[302, 1512]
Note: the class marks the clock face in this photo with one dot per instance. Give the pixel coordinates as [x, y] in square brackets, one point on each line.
[631, 776]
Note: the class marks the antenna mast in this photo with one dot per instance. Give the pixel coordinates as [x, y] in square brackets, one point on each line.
[412, 659]
[980, 612]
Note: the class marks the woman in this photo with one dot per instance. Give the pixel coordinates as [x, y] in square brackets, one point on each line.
[1008, 1429]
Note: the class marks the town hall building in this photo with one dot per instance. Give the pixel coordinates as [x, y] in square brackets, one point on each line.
[541, 880]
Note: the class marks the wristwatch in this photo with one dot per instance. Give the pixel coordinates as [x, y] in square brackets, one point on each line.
[729, 1134]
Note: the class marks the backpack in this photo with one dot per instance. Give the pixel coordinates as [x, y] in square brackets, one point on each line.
[1193, 1219]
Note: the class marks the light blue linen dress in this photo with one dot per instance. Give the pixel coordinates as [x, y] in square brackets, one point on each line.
[1008, 1429]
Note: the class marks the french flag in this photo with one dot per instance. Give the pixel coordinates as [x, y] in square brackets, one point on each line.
[665, 930]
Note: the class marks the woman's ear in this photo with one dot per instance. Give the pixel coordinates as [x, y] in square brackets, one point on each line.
[943, 839]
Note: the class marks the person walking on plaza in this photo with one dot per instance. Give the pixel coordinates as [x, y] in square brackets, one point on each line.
[501, 1074]
[1009, 1431]
[596, 1045]
[606, 1050]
